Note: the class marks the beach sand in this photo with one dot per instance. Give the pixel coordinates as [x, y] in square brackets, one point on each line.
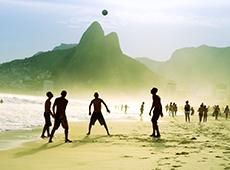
[181, 146]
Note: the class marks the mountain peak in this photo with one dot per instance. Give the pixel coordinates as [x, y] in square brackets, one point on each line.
[112, 41]
[93, 32]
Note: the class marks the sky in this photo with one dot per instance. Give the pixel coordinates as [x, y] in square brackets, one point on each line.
[146, 28]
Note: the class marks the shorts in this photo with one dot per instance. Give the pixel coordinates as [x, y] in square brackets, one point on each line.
[156, 115]
[97, 116]
[187, 112]
[61, 120]
[47, 119]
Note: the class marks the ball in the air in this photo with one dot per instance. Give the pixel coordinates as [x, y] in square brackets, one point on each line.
[104, 12]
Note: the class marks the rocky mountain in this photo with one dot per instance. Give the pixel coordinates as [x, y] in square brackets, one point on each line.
[96, 62]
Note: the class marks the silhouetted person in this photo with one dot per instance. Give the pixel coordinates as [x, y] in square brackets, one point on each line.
[60, 115]
[201, 112]
[174, 109]
[226, 111]
[216, 111]
[156, 105]
[192, 111]
[205, 114]
[142, 110]
[167, 108]
[187, 111]
[171, 109]
[97, 115]
[1, 101]
[47, 114]
[126, 108]
[122, 106]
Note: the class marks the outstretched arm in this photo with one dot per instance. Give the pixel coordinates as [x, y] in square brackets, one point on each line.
[105, 106]
[90, 107]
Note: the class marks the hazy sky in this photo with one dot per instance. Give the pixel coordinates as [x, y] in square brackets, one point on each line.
[146, 28]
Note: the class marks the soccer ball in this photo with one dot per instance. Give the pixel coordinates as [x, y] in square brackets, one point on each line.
[104, 12]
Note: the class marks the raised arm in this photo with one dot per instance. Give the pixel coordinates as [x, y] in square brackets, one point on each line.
[90, 107]
[105, 106]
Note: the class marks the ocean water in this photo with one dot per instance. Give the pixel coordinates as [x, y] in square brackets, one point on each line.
[21, 112]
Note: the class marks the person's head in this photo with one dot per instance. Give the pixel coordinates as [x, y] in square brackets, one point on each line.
[63, 93]
[154, 90]
[143, 102]
[96, 95]
[186, 102]
[49, 94]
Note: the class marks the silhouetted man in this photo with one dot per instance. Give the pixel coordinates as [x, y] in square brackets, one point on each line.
[226, 111]
[187, 111]
[205, 114]
[156, 105]
[47, 114]
[60, 116]
[97, 115]
[142, 110]
[201, 112]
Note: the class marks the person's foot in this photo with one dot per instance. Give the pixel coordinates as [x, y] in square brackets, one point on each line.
[108, 134]
[68, 141]
[43, 136]
[157, 136]
[152, 135]
[50, 141]
[88, 134]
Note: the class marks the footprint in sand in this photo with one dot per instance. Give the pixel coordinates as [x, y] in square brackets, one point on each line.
[127, 156]
[182, 153]
[144, 158]
[164, 164]
[176, 166]
[217, 156]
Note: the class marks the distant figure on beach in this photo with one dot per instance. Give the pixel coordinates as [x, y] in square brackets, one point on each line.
[216, 111]
[171, 109]
[187, 111]
[60, 104]
[1, 101]
[156, 105]
[201, 112]
[97, 115]
[167, 108]
[175, 109]
[205, 119]
[122, 107]
[226, 112]
[126, 108]
[47, 114]
[192, 111]
[142, 110]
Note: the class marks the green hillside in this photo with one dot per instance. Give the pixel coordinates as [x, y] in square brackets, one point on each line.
[96, 62]
[200, 70]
